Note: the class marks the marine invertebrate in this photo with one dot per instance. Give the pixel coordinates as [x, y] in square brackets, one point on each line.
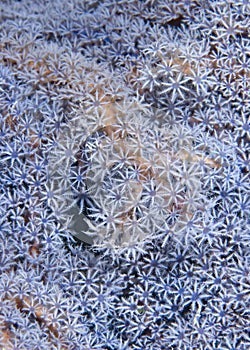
[157, 95]
[123, 182]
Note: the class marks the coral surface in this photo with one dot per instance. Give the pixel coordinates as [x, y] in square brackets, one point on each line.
[124, 174]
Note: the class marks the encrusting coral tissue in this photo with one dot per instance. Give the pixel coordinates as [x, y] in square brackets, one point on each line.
[124, 174]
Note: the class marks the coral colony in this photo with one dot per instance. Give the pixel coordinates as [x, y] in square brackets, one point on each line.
[124, 161]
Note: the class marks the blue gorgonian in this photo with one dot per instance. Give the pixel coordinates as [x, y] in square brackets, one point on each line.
[124, 179]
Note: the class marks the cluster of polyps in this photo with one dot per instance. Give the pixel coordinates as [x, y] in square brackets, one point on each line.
[126, 181]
